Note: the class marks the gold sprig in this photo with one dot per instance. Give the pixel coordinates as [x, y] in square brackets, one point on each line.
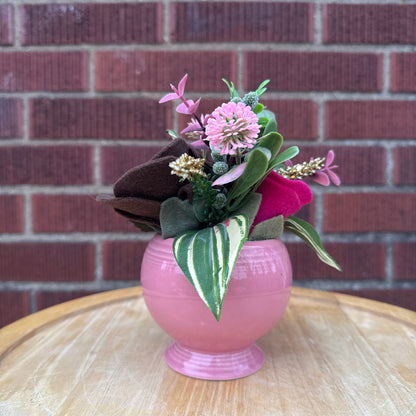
[187, 167]
[300, 170]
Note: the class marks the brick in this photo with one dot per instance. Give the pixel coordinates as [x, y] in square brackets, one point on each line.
[358, 165]
[6, 24]
[44, 262]
[12, 215]
[405, 260]
[405, 298]
[116, 160]
[359, 261]
[43, 71]
[46, 165]
[155, 70]
[296, 119]
[51, 298]
[98, 118]
[403, 72]
[59, 24]
[313, 71]
[404, 172]
[369, 23]
[75, 213]
[359, 212]
[13, 305]
[370, 119]
[122, 259]
[241, 22]
[10, 118]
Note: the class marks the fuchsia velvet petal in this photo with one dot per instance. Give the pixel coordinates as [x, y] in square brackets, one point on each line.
[281, 196]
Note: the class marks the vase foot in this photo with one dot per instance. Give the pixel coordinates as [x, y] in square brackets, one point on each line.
[214, 366]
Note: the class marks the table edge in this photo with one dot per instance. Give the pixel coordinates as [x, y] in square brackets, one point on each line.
[15, 333]
[22, 329]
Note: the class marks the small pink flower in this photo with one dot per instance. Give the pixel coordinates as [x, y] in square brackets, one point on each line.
[187, 106]
[178, 91]
[232, 126]
[324, 175]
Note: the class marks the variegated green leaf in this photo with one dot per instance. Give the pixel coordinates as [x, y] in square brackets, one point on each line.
[207, 258]
[305, 231]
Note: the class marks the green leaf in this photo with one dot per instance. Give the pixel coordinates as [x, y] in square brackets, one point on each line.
[285, 155]
[260, 90]
[268, 230]
[271, 126]
[266, 114]
[258, 108]
[255, 169]
[207, 258]
[231, 88]
[272, 141]
[172, 134]
[305, 231]
[176, 217]
[250, 207]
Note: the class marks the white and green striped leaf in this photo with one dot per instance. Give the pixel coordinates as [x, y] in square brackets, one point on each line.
[207, 258]
[305, 231]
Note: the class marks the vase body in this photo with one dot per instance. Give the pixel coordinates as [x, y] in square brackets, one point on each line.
[257, 296]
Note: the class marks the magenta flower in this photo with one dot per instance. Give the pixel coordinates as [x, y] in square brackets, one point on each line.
[232, 126]
[324, 175]
[281, 196]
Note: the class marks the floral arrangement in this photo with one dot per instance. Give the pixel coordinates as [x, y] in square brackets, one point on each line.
[231, 183]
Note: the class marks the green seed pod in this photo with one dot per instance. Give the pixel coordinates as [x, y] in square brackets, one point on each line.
[219, 168]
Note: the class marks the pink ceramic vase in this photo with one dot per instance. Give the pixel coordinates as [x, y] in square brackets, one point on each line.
[256, 298]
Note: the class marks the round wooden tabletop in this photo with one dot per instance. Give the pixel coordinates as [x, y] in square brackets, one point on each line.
[330, 354]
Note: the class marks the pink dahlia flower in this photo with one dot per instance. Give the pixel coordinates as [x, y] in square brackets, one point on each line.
[232, 126]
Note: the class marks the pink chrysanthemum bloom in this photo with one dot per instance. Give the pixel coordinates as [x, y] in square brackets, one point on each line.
[232, 126]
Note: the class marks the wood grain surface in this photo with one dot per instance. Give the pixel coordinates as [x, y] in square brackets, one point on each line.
[330, 354]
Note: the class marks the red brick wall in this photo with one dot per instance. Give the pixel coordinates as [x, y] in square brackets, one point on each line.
[79, 85]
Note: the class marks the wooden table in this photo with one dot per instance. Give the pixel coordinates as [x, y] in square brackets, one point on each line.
[330, 354]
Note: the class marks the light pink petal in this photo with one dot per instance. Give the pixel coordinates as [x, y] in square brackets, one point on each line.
[181, 85]
[233, 174]
[183, 108]
[199, 144]
[321, 178]
[174, 88]
[168, 97]
[329, 158]
[334, 177]
[192, 127]
[192, 109]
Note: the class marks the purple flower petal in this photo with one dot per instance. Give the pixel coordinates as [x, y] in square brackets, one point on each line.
[192, 109]
[321, 178]
[233, 174]
[181, 85]
[334, 177]
[183, 108]
[329, 158]
[168, 97]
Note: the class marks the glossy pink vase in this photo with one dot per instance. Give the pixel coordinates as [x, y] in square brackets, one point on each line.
[256, 298]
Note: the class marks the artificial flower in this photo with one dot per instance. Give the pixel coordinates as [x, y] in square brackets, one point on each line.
[281, 196]
[232, 126]
[325, 174]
